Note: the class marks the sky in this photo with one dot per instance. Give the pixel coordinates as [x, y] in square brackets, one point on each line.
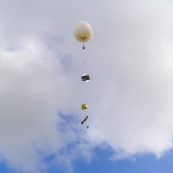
[130, 96]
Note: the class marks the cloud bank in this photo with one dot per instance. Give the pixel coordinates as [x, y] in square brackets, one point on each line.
[130, 95]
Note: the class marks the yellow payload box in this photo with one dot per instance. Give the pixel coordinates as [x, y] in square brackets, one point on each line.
[84, 106]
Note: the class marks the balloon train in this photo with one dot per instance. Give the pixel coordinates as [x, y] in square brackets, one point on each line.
[83, 32]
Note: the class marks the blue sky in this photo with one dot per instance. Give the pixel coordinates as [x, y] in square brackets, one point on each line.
[145, 163]
[101, 164]
[130, 97]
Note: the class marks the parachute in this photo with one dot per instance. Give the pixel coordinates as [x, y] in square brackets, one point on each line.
[83, 31]
[85, 78]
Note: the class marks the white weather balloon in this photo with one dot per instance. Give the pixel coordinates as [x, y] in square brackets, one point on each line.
[83, 31]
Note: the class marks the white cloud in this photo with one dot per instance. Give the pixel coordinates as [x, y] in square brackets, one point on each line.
[130, 94]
